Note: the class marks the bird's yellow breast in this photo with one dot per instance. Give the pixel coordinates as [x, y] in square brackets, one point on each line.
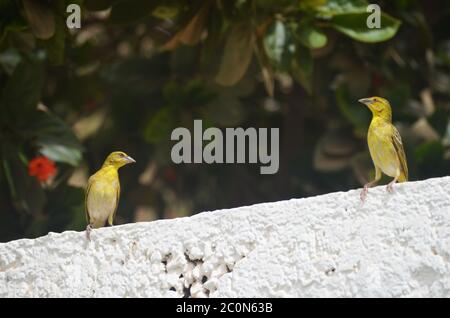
[381, 147]
[103, 195]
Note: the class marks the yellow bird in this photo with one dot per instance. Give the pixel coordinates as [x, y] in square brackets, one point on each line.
[103, 192]
[385, 145]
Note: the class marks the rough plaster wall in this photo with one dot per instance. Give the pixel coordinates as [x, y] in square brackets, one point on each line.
[394, 245]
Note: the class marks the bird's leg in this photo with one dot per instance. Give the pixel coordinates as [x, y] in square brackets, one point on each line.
[365, 190]
[88, 232]
[390, 187]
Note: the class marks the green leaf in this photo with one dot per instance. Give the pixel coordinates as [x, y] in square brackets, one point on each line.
[22, 92]
[336, 7]
[311, 36]
[279, 46]
[311, 5]
[275, 40]
[355, 26]
[56, 140]
[350, 18]
[237, 55]
[40, 17]
[165, 12]
[60, 153]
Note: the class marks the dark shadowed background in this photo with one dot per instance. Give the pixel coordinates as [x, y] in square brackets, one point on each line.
[137, 69]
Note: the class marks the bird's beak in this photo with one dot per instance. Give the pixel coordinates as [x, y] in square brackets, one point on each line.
[130, 160]
[366, 101]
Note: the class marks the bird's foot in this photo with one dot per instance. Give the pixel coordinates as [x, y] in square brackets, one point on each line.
[364, 192]
[88, 232]
[390, 187]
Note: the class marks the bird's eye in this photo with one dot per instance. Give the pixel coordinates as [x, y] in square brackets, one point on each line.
[121, 155]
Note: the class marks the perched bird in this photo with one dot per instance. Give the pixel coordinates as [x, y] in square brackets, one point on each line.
[385, 144]
[103, 192]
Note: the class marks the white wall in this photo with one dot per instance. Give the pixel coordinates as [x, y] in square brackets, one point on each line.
[330, 245]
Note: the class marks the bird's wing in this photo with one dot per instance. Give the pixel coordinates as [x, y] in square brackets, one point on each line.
[88, 189]
[398, 145]
[112, 216]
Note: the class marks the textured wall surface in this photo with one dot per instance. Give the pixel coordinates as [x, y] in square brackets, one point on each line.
[394, 245]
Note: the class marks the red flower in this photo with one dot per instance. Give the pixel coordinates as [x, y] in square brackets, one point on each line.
[42, 168]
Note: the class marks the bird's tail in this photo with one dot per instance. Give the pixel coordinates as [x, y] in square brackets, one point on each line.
[403, 177]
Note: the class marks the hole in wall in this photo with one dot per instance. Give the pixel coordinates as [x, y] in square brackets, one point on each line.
[186, 280]
[187, 292]
[330, 271]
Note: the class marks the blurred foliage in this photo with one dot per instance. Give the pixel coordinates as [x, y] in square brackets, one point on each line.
[136, 69]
